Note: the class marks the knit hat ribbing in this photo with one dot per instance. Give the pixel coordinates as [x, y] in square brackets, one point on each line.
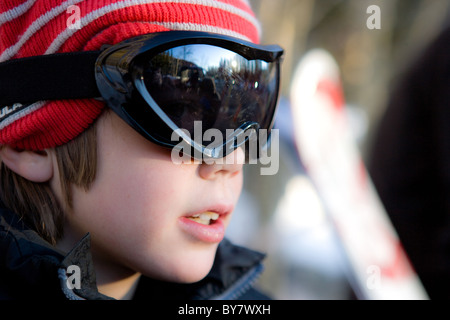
[37, 27]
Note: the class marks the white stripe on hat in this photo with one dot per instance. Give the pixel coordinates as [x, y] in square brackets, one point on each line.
[200, 27]
[67, 33]
[16, 11]
[35, 26]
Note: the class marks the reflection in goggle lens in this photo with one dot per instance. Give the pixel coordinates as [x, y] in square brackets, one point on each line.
[214, 85]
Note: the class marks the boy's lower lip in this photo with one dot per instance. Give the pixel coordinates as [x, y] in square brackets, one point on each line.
[213, 233]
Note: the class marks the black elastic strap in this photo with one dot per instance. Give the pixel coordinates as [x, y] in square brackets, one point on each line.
[48, 77]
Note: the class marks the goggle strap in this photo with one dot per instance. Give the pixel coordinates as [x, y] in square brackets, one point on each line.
[48, 77]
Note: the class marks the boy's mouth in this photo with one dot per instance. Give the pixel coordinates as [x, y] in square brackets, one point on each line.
[208, 224]
[204, 218]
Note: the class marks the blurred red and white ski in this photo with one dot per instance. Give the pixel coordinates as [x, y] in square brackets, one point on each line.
[379, 266]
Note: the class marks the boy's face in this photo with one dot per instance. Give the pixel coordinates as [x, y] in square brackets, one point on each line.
[136, 211]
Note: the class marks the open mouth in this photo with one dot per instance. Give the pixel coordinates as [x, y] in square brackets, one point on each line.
[205, 218]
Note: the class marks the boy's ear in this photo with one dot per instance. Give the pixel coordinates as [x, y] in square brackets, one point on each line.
[36, 166]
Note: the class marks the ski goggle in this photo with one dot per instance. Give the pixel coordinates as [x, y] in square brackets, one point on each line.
[169, 86]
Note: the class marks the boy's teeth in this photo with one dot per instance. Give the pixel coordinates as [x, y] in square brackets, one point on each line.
[204, 218]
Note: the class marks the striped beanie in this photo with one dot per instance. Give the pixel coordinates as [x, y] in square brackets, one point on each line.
[38, 27]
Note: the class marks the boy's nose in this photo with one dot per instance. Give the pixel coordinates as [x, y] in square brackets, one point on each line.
[230, 165]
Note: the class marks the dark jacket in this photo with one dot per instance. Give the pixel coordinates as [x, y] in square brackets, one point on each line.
[30, 268]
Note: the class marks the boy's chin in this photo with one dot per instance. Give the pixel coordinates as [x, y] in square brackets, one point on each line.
[187, 268]
[185, 276]
[193, 271]
[192, 277]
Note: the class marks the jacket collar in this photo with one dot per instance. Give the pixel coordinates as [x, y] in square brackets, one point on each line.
[39, 267]
[80, 257]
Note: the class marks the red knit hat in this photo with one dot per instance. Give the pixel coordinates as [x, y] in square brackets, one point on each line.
[37, 27]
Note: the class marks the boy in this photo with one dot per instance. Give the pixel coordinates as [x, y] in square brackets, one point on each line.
[94, 206]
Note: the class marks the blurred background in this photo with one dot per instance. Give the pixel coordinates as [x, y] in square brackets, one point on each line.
[283, 215]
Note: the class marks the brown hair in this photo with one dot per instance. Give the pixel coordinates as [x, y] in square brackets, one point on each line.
[36, 203]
